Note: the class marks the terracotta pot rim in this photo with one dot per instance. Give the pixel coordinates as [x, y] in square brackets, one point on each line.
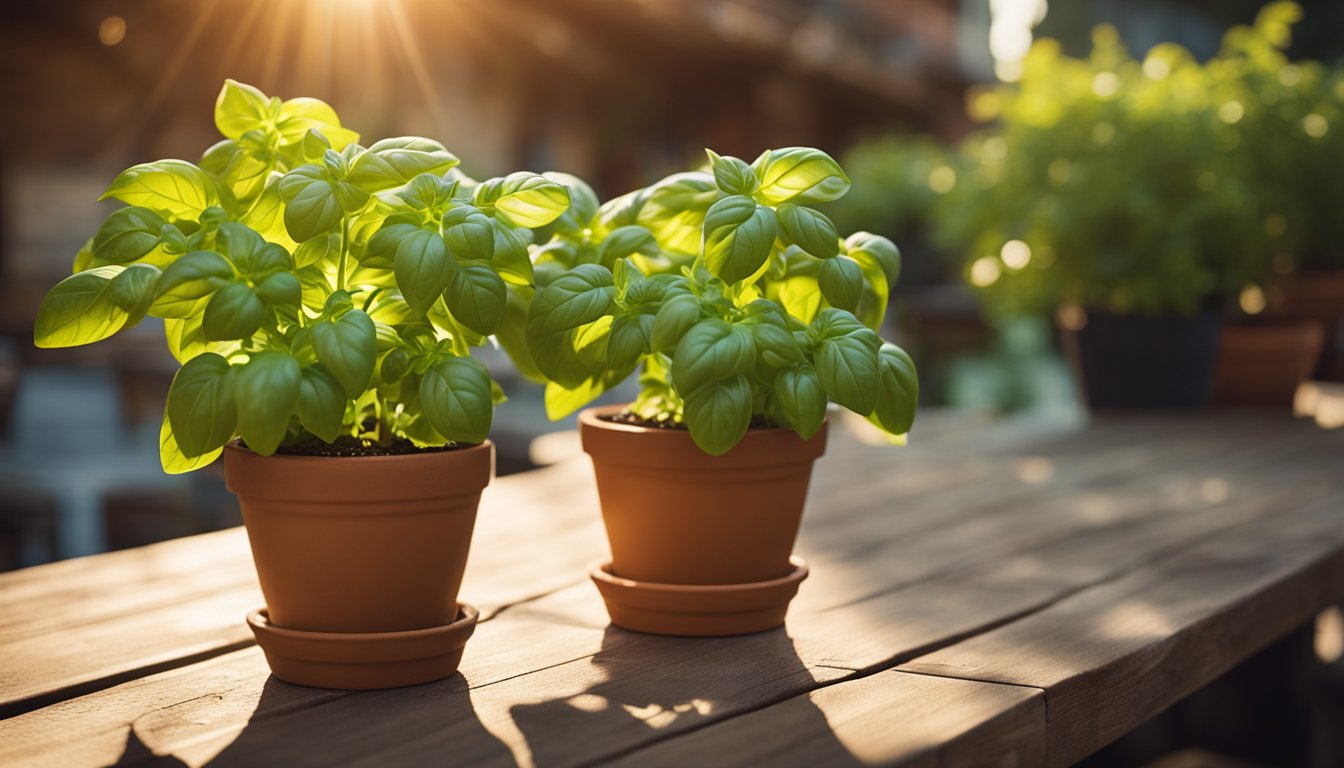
[593, 417]
[630, 445]
[601, 572]
[259, 621]
[237, 447]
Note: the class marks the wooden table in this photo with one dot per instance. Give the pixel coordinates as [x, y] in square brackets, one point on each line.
[1000, 592]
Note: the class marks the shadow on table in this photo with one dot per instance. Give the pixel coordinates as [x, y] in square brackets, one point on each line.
[295, 725]
[672, 686]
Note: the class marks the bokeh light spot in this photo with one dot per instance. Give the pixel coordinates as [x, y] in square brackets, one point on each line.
[985, 271]
[112, 30]
[1015, 254]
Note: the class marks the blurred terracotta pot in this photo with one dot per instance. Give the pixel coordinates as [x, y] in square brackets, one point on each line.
[1317, 297]
[360, 559]
[1264, 364]
[678, 517]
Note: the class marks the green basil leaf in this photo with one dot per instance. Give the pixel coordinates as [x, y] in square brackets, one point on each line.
[234, 312]
[250, 253]
[476, 297]
[778, 342]
[623, 242]
[898, 393]
[712, 351]
[470, 236]
[580, 296]
[348, 349]
[510, 256]
[867, 248]
[185, 284]
[841, 282]
[393, 162]
[808, 229]
[630, 338]
[799, 175]
[846, 360]
[201, 404]
[427, 193]
[133, 290]
[456, 397]
[718, 414]
[732, 175]
[673, 320]
[79, 310]
[525, 199]
[423, 269]
[126, 235]
[311, 206]
[583, 204]
[186, 339]
[170, 454]
[319, 250]
[321, 402]
[738, 236]
[280, 288]
[266, 392]
[174, 187]
[800, 399]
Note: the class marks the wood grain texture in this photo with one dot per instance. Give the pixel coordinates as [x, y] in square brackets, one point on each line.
[917, 555]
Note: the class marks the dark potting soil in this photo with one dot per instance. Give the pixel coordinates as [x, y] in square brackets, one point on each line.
[626, 417]
[351, 446]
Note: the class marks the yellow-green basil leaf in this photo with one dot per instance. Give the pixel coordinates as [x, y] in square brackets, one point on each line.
[712, 351]
[304, 115]
[561, 401]
[898, 393]
[266, 393]
[800, 296]
[627, 241]
[393, 162]
[583, 204]
[673, 209]
[187, 282]
[718, 414]
[186, 339]
[174, 187]
[133, 290]
[348, 349]
[171, 456]
[201, 404]
[476, 297]
[846, 360]
[630, 338]
[530, 200]
[319, 250]
[321, 403]
[280, 288]
[799, 175]
[470, 236]
[867, 248]
[126, 235]
[311, 206]
[738, 236]
[808, 229]
[79, 310]
[673, 320]
[423, 269]
[800, 399]
[240, 108]
[733, 175]
[456, 397]
[841, 282]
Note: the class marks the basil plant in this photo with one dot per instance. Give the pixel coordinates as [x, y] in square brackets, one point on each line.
[309, 286]
[737, 303]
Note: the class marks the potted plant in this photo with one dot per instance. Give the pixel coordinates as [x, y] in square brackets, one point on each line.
[323, 298]
[1293, 153]
[1109, 197]
[744, 313]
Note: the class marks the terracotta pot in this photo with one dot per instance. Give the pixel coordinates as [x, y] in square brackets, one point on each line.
[1316, 297]
[360, 561]
[678, 517]
[368, 544]
[1264, 364]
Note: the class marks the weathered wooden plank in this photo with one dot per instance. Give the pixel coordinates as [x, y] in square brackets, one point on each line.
[886, 719]
[1111, 656]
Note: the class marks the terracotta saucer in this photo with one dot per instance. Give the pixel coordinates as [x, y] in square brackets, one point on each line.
[363, 660]
[697, 610]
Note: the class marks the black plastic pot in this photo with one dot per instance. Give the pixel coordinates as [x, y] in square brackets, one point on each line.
[1137, 361]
